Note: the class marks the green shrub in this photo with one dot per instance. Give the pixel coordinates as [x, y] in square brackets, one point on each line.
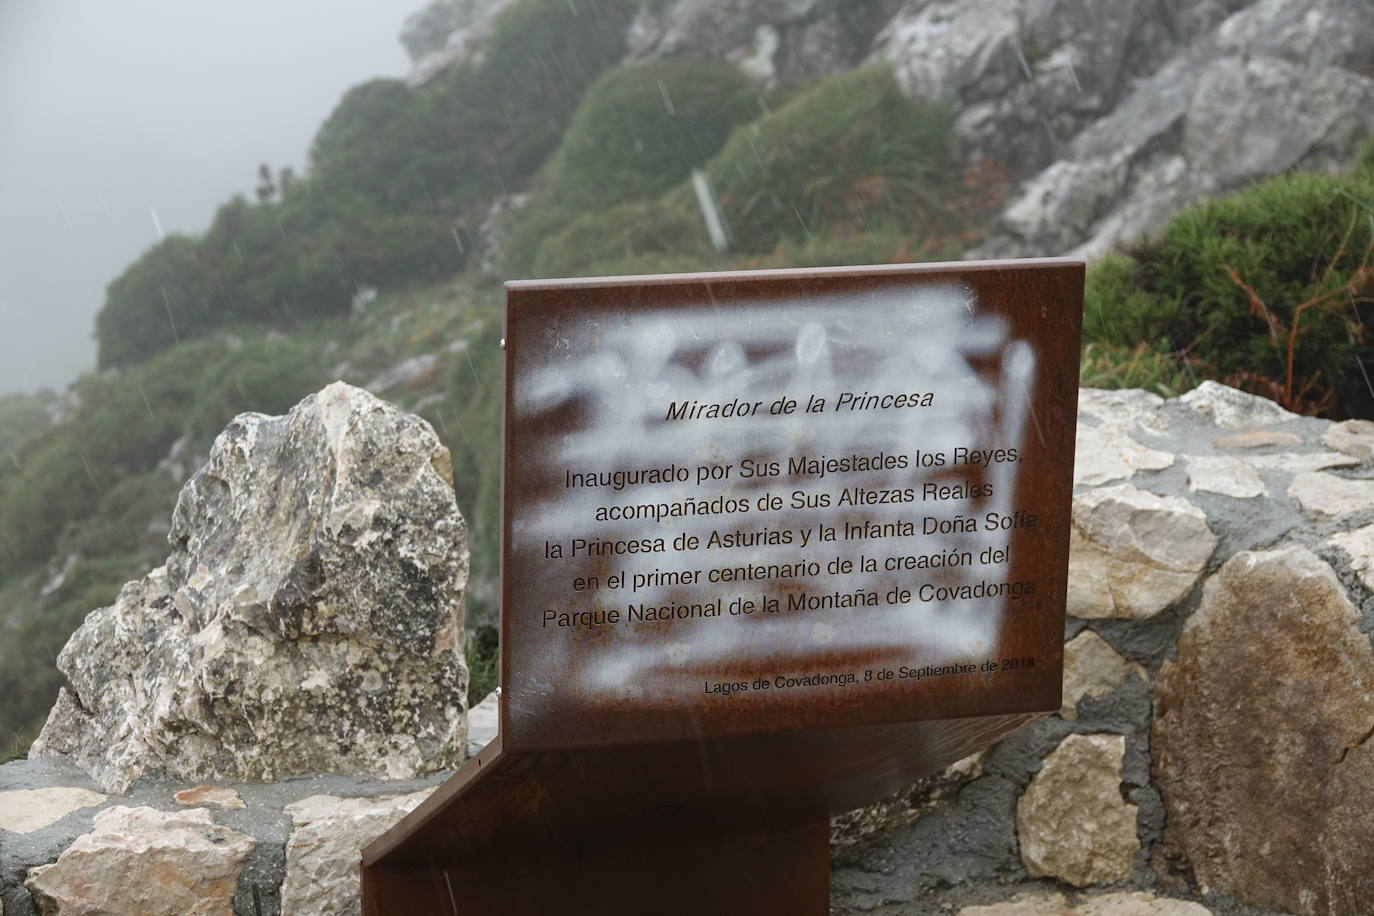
[488, 125]
[643, 227]
[643, 127]
[164, 297]
[119, 522]
[23, 414]
[365, 141]
[398, 177]
[878, 246]
[265, 375]
[29, 679]
[1144, 366]
[847, 170]
[850, 154]
[640, 130]
[483, 650]
[124, 425]
[1364, 162]
[469, 423]
[1294, 239]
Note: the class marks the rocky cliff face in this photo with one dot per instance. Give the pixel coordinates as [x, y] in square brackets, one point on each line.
[1275, 85]
[1109, 117]
[308, 620]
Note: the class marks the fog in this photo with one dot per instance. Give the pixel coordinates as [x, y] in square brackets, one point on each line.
[119, 121]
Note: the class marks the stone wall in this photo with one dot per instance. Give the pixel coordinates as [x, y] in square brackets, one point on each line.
[1211, 754]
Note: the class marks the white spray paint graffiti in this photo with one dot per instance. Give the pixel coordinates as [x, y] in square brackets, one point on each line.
[623, 371]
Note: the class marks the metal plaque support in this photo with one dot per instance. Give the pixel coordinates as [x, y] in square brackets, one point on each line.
[918, 420]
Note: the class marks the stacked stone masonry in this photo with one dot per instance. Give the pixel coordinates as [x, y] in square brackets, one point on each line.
[1212, 753]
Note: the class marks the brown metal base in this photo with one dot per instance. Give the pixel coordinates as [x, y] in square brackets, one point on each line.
[706, 827]
[763, 870]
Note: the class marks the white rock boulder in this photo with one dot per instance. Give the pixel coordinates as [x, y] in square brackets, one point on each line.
[1132, 553]
[308, 619]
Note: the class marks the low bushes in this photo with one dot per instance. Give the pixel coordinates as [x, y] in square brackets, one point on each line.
[398, 179]
[640, 130]
[849, 155]
[1270, 290]
[847, 164]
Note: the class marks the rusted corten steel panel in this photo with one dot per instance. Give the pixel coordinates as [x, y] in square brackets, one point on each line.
[774, 544]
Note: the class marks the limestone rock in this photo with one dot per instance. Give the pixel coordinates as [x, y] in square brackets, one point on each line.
[446, 31]
[1322, 33]
[1359, 544]
[327, 837]
[1224, 475]
[1022, 905]
[308, 619]
[222, 796]
[1124, 406]
[1257, 438]
[1132, 553]
[1092, 668]
[1121, 903]
[1300, 462]
[1071, 822]
[1352, 437]
[1026, 76]
[1253, 116]
[144, 861]
[1261, 737]
[1138, 903]
[1106, 453]
[1227, 99]
[27, 810]
[484, 722]
[1324, 496]
[788, 41]
[1233, 408]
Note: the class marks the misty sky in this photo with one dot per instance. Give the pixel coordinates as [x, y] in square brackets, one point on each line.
[111, 111]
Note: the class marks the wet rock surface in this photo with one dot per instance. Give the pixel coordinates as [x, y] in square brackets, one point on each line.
[1132, 553]
[1241, 91]
[1092, 669]
[262, 815]
[308, 619]
[327, 837]
[1224, 732]
[1071, 822]
[1261, 737]
[140, 860]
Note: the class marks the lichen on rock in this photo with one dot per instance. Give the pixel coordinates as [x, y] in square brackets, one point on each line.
[308, 619]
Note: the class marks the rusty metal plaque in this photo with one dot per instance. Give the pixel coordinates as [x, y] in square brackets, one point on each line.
[774, 545]
[768, 501]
